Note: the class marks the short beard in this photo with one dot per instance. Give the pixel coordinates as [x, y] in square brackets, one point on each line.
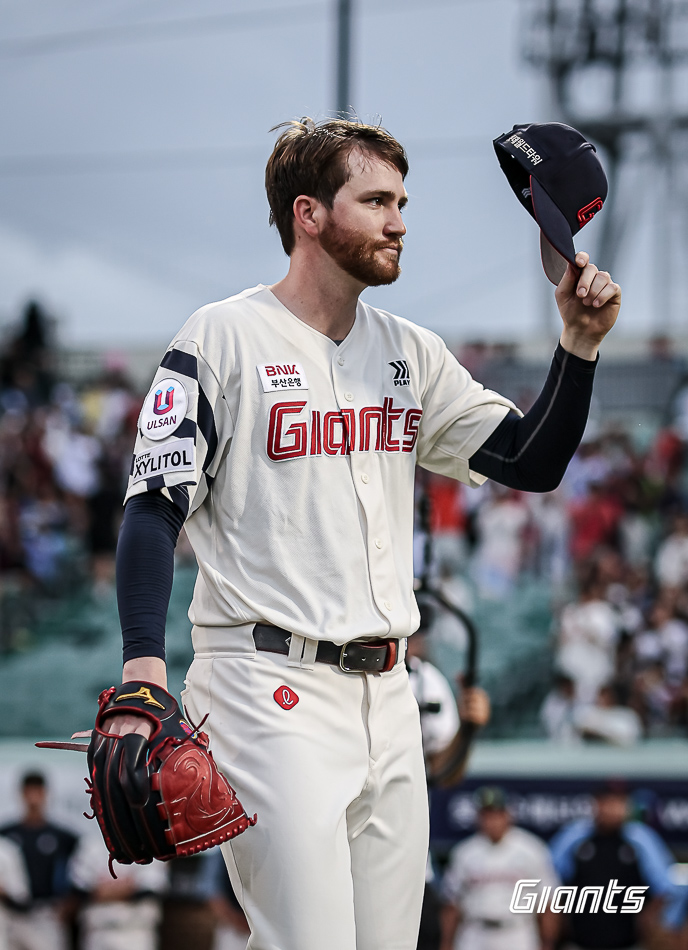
[356, 255]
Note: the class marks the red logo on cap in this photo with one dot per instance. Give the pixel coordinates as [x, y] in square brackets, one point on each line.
[285, 697]
[589, 211]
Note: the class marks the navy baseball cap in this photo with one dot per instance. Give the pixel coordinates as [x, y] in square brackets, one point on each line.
[556, 175]
[490, 798]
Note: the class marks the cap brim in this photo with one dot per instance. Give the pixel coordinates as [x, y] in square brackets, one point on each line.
[556, 242]
[553, 264]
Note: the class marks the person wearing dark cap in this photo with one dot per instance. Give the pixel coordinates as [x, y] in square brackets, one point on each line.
[611, 847]
[46, 848]
[480, 880]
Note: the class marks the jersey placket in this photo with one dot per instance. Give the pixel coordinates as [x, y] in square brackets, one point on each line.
[367, 481]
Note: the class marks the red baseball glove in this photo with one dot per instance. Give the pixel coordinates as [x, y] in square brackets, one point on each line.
[161, 797]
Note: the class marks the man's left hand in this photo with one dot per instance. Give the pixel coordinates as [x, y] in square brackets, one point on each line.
[474, 706]
[588, 301]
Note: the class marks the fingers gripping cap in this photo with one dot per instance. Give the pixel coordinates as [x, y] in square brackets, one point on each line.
[556, 175]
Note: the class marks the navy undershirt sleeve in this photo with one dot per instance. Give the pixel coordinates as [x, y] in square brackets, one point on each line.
[145, 568]
[531, 454]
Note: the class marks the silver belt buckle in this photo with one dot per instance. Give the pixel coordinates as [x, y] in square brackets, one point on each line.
[342, 654]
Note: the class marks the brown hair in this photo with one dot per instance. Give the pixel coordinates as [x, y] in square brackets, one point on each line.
[311, 159]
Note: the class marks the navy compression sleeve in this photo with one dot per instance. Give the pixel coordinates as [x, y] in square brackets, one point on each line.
[531, 454]
[145, 568]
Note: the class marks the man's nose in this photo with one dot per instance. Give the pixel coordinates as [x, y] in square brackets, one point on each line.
[395, 223]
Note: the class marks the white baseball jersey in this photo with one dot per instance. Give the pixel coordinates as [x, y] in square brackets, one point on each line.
[117, 924]
[296, 459]
[482, 875]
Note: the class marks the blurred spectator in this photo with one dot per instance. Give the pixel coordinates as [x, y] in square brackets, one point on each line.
[671, 562]
[501, 524]
[551, 522]
[14, 886]
[557, 713]
[116, 914]
[593, 852]
[606, 720]
[588, 635]
[588, 466]
[594, 520]
[46, 849]
[480, 881]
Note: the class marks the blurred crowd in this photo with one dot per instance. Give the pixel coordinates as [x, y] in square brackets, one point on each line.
[64, 459]
[610, 546]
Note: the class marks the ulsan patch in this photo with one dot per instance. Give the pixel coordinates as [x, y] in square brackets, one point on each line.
[164, 409]
[175, 456]
[276, 377]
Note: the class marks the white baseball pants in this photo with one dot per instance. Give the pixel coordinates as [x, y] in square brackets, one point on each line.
[334, 769]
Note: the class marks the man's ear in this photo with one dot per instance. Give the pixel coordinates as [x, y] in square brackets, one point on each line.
[308, 215]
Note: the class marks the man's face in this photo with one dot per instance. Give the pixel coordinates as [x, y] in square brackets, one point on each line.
[34, 797]
[494, 823]
[363, 231]
[611, 811]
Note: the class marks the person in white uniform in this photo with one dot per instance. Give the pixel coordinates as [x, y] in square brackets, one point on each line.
[283, 428]
[14, 886]
[480, 880]
[122, 913]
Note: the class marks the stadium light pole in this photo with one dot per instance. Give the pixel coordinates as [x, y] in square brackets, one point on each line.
[344, 18]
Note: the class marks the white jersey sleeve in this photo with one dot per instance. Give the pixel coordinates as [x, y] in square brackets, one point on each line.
[14, 882]
[458, 414]
[184, 428]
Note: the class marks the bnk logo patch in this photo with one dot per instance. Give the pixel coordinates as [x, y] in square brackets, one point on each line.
[285, 697]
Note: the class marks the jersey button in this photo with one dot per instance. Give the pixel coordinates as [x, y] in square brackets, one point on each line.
[349, 397]
[388, 605]
[340, 360]
[378, 544]
[364, 478]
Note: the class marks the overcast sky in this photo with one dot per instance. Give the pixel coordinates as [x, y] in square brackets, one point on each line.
[136, 135]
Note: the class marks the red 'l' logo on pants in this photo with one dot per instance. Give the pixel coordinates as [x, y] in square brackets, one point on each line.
[285, 697]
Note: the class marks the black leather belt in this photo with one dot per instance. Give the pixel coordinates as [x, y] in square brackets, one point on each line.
[357, 656]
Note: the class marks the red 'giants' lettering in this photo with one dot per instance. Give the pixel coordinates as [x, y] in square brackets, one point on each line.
[292, 443]
[335, 433]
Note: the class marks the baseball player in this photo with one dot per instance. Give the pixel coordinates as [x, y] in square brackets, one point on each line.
[283, 428]
[121, 914]
[480, 881]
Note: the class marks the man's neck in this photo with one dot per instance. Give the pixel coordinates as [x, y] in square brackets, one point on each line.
[320, 294]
